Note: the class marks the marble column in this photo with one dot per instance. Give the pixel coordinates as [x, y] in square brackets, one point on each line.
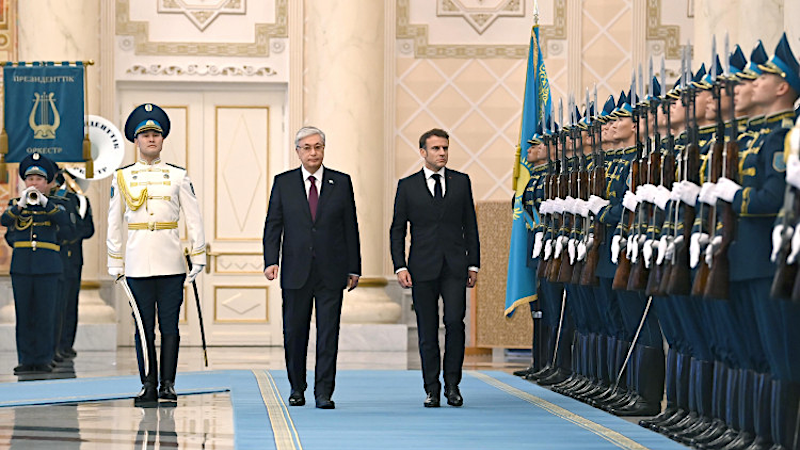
[745, 22]
[344, 96]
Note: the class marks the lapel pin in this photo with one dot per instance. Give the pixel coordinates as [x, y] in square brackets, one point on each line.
[330, 181]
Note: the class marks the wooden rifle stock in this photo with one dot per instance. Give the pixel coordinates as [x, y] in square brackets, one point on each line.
[541, 271]
[703, 270]
[680, 280]
[719, 277]
[624, 264]
[640, 273]
[583, 194]
[555, 262]
[784, 280]
[565, 271]
[659, 272]
[588, 274]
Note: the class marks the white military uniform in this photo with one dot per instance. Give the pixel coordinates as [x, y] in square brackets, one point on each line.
[151, 197]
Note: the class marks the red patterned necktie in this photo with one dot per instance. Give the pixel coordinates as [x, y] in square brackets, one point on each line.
[313, 197]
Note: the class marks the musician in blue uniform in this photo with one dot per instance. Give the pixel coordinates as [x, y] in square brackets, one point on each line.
[33, 223]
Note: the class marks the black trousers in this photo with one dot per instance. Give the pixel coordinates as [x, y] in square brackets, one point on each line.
[297, 305]
[35, 298]
[452, 288]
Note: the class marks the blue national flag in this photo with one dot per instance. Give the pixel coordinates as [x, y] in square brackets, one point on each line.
[44, 110]
[521, 281]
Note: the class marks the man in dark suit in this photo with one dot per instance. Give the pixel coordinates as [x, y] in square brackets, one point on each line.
[443, 260]
[311, 222]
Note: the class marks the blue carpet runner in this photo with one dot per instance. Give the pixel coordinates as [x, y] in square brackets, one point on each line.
[378, 409]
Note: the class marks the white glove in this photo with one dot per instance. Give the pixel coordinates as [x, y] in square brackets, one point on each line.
[544, 208]
[661, 197]
[671, 246]
[196, 269]
[633, 249]
[795, 247]
[582, 208]
[645, 192]
[689, 192]
[548, 249]
[629, 201]
[712, 247]
[697, 243]
[571, 250]
[557, 207]
[777, 238]
[537, 243]
[559, 245]
[662, 249]
[116, 271]
[647, 252]
[793, 166]
[42, 199]
[675, 193]
[615, 248]
[596, 204]
[569, 205]
[707, 194]
[726, 189]
[582, 249]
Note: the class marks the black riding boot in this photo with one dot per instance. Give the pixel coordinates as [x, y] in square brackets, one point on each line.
[169, 364]
[148, 396]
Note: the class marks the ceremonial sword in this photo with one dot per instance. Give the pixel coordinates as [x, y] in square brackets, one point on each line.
[199, 310]
[137, 318]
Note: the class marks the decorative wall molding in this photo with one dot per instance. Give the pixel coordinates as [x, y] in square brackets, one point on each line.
[260, 47]
[418, 35]
[669, 35]
[200, 13]
[480, 16]
[202, 70]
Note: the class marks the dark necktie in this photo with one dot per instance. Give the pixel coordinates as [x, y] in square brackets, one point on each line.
[437, 187]
[313, 197]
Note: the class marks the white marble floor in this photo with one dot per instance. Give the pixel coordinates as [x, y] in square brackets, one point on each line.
[199, 421]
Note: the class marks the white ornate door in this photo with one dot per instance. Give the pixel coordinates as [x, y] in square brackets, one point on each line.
[229, 141]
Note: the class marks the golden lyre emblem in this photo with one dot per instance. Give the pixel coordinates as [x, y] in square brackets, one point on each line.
[43, 112]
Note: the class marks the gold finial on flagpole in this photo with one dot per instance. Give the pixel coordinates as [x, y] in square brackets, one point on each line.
[536, 12]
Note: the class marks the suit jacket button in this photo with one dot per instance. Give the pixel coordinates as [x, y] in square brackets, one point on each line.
[314, 229]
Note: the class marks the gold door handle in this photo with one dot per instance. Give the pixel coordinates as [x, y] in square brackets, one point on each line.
[209, 254]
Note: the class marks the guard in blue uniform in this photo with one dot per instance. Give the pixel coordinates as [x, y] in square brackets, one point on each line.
[151, 194]
[33, 223]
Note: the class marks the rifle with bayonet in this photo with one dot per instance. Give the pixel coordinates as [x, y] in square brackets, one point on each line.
[714, 163]
[669, 167]
[598, 187]
[561, 194]
[623, 263]
[541, 271]
[572, 224]
[582, 197]
[640, 271]
[680, 276]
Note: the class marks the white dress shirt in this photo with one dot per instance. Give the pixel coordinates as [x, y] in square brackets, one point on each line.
[317, 179]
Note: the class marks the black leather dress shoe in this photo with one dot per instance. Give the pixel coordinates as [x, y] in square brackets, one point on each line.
[147, 397]
[296, 398]
[325, 403]
[23, 369]
[167, 391]
[432, 400]
[453, 396]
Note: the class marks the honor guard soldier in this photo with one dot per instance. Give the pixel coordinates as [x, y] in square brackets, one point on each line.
[150, 194]
[33, 223]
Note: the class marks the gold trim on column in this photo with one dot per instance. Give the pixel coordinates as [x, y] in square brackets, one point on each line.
[217, 166]
[260, 47]
[422, 49]
[670, 35]
[266, 304]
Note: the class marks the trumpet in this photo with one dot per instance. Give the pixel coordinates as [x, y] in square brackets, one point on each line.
[32, 197]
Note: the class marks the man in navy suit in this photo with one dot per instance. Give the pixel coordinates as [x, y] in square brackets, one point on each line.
[311, 222]
[443, 260]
